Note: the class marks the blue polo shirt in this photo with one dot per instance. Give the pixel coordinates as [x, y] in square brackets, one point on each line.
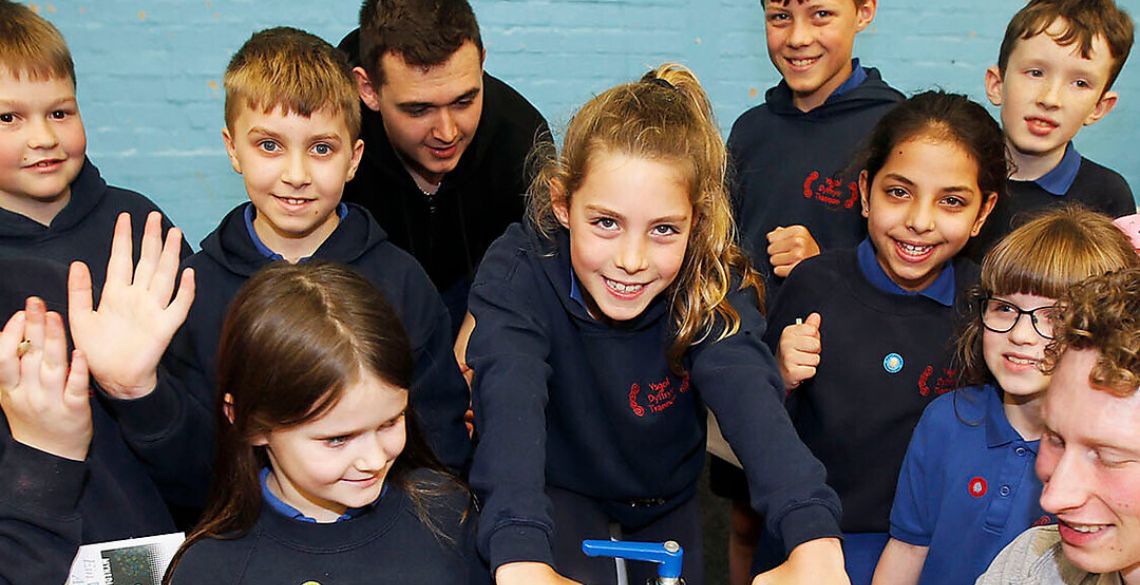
[1058, 180]
[940, 291]
[251, 212]
[967, 486]
[279, 506]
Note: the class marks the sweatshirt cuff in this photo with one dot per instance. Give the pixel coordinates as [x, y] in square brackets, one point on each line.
[808, 523]
[37, 481]
[515, 543]
[150, 416]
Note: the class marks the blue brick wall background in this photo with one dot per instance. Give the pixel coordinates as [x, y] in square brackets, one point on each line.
[150, 70]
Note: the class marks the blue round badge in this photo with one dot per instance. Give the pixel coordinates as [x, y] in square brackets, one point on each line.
[893, 363]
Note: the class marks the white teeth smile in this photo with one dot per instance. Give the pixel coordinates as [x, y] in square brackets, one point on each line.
[802, 62]
[915, 250]
[623, 288]
[292, 201]
[1021, 361]
[1086, 529]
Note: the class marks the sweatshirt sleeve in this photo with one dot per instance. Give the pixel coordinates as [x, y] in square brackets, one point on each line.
[171, 430]
[508, 352]
[40, 524]
[439, 393]
[738, 380]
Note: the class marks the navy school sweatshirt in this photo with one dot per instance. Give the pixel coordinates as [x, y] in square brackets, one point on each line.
[791, 167]
[83, 228]
[563, 399]
[175, 423]
[885, 357]
[388, 544]
[50, 505]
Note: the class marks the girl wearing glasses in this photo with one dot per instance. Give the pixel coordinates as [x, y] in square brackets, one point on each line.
[967, 486]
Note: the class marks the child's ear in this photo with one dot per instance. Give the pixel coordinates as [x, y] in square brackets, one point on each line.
[983, 213]
[994, 85]
[866, 14]
[357, 153]
[364, 88]
[231, 150]
[864, 194]
[1103, 107]
[560, 203]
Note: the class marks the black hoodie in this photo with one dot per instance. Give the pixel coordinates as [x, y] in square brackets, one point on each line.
[449, 231]
[791, 167]
[179, 421]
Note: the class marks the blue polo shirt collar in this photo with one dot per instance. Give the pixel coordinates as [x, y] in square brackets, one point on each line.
[576, 290]
[1060, 179]
[940, 291]
[279, 506]
[857, 77]
[998, 430]
[251, 212]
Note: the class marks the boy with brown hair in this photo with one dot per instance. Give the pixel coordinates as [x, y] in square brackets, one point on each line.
[53, 203]
[1054, 75]
[792, 196]
[292, 132]
[446, 144]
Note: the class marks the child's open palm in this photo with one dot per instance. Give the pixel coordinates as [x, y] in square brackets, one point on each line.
[125, 337]
[47, 404]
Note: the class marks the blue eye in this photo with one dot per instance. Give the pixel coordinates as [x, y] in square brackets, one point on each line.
[322, 149]
[336, 441]
[268, 146]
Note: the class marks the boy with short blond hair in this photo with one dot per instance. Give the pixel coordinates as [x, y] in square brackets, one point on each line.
[1054, 75]
[53, 203]
[292, 132]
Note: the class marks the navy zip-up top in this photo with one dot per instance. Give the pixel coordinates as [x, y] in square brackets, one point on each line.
[563, 399]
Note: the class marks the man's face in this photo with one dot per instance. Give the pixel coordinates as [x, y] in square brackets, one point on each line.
[1089, 461]
[430, 115]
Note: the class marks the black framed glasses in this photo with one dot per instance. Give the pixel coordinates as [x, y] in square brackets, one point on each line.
[1002, 316]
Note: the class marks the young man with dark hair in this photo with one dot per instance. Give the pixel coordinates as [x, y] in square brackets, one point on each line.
[446, 144]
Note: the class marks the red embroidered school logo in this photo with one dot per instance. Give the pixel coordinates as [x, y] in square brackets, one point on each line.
[943, 384]
[831, 191]
[1044, 520]
[661, 396]
[977, 487]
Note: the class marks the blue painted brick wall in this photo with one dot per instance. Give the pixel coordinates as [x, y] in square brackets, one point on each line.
[150, 70]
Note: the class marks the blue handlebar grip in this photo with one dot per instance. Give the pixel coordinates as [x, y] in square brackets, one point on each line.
[668, 555]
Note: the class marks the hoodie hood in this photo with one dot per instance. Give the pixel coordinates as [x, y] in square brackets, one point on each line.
[231, 247]
[87, 192]
[872, 91]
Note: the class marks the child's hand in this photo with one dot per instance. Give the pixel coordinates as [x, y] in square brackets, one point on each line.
[530, 573]
[799, 351]
[48, 407]
[788, 246]
[811, 563]
[126, 336]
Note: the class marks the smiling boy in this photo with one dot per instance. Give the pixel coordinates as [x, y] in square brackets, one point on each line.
[292, 132]
[1089, 456]
[1055, 71]
[446, 144]
[53, 203]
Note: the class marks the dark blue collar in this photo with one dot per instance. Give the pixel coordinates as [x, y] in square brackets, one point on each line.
[940, 291]
[279, 506]
[998, 430]
[250, 213]
[1058, 180]
[576, 290]
[857, 77]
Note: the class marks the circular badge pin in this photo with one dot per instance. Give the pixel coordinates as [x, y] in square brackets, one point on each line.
[893, 363]
[977, 487]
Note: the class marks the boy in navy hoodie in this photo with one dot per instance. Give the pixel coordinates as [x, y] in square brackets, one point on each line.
[1054, 75]
[53, 203]
[292, 132]
[792, 196]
